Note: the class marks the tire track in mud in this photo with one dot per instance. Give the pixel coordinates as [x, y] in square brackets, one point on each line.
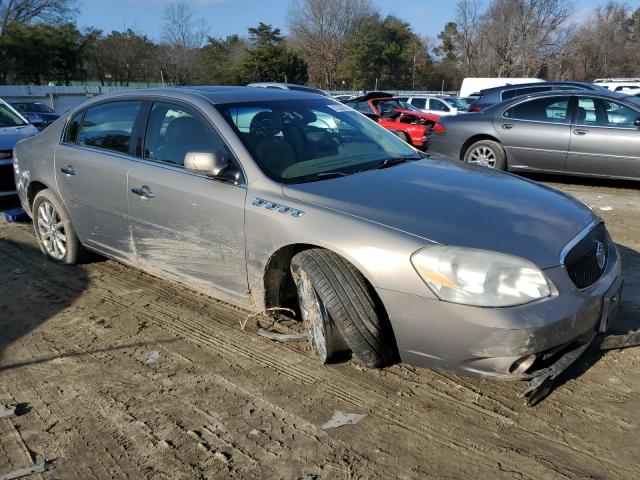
[168, 313]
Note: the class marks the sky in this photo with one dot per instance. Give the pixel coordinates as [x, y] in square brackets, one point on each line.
[226, 17]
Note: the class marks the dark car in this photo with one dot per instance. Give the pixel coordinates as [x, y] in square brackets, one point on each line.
[39, 114]
[590, 133]
[491, 96]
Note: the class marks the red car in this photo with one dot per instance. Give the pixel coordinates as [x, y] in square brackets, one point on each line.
[410, 125]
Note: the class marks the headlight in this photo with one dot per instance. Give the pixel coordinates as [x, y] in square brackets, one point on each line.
[479, 277]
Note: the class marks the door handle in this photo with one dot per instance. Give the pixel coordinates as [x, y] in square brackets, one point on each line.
[143, 192]
[69, 171]
[580, 131]
[507, 126]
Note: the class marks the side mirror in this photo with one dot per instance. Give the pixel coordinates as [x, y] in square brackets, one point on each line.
[637, 123]
[447, 109]
[206, 163]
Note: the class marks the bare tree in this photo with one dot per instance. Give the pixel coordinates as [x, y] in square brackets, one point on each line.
[182, 34]
[27, 11]
[181, 28]
[468, 37]
[320, 29]
[523, 34]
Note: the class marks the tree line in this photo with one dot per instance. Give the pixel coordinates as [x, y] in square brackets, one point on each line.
[332, 44]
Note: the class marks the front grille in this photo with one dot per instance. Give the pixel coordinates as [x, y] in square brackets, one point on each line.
[582, 260]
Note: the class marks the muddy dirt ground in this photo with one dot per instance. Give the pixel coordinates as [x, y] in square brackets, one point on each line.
[132, 377]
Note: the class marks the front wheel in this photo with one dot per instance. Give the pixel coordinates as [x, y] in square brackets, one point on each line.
[55, 234]
[486, 153]
[339, 308]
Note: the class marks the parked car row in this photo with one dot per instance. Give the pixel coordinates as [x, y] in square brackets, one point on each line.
[273, 198]
[577, 132]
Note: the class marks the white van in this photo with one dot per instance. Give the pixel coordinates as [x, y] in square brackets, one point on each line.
[618, 84]
[472, 85]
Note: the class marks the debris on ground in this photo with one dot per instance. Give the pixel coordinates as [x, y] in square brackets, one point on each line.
[24, 472]
[283, 337]
[153, 357]
[341, 418]
[18, 271]
[14, 410]
[606, 209]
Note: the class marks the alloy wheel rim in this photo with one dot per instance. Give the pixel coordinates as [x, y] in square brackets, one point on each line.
[484, 156]
[314, 315]
[51, 231]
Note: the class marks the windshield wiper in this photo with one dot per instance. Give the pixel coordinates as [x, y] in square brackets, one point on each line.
[390, 162]
[321, 176]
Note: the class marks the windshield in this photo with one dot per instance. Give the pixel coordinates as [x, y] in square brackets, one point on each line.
[309, 140]
[9, 118]
[387, 105]
[457, 103]
[35, 107]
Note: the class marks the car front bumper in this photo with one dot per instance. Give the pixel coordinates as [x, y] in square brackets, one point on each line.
[489, 342]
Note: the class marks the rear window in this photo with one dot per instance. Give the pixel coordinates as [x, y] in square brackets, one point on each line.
[518, 92]
[109, 126]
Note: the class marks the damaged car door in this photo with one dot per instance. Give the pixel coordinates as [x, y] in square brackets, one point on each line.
[188, 224]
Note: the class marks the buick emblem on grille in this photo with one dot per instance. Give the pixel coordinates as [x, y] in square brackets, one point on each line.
[601, 256]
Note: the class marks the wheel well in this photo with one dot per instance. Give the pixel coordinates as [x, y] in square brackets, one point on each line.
[32, 190]
[474, 139]
[279, 288]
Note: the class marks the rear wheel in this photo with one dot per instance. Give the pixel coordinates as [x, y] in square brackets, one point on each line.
[55, 234]
[486, 153]
[340, 310]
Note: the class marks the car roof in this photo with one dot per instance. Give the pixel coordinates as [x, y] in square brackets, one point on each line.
[215, 94]
[601, 93]
[515, 86]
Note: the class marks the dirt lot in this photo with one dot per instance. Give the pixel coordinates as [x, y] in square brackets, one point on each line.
[133, 377]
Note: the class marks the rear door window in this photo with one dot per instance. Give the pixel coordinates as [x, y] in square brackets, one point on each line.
[73, 127]
[108, 126]
[547, 109]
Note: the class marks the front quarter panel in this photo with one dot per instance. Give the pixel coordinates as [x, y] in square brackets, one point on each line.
[380, 253]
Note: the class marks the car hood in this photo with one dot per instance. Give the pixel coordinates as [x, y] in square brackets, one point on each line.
[428, 116]
[9, 136]
[453, 203]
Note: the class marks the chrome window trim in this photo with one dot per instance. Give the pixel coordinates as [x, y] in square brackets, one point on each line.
[602, 126]
[165, 166]
[578, 238]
